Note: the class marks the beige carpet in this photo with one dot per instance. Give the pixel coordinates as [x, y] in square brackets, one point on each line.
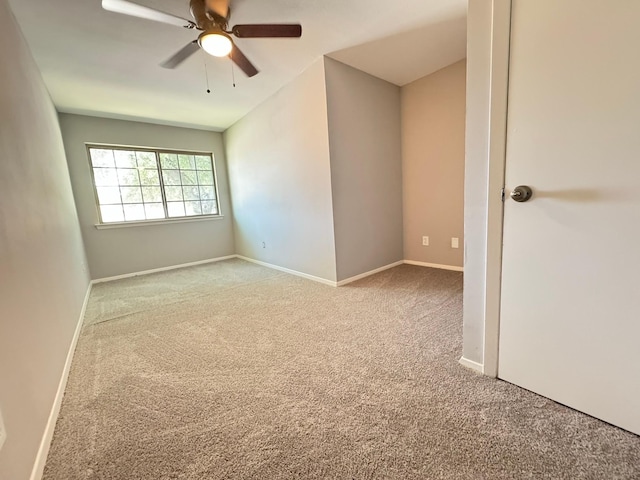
[233, 370]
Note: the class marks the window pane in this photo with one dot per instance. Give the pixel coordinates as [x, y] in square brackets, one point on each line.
[207, 193]
[205, 178]
[131, 194]
[171, 177]
[102, 158]
[134, 212]
[125, 159]
[173, 193]
[176, 209]
[154, 211]
[108, 195]
[209, 208]
[105, 177]
[189, 177]
[203, 163]
[191, 193]
[151, 194]
[111, 213]
[146, 160]
[129, 186]
[186, 162]
[128, 176]
[168, 160]
[193, 208]
[149, 177]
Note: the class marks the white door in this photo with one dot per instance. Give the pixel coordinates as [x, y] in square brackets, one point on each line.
[570, 313]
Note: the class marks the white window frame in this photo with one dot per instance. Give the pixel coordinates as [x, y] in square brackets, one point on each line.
[156, 151]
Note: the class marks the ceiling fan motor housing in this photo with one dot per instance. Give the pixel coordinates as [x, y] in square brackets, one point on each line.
[205, 18]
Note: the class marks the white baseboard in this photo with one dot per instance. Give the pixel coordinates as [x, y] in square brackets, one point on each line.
[324, 281]
[453, 268]
[282, 269]
[478, 367]
[43, 451]
[367, 274]
[163, 269]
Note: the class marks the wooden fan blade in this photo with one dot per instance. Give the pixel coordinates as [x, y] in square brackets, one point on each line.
[265, 31]
[182, 54]
[133, 9]
[243, 62]
[221, 7]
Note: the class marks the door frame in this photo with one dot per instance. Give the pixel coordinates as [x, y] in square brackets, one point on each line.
[498, 110]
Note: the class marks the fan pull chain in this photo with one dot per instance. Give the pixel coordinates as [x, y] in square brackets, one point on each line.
[206, 74]
[233, 72]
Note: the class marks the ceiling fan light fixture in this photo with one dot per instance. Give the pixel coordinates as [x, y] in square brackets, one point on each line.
[216, 43]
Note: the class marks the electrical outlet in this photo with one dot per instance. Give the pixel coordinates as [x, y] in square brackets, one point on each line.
[3, 432]
[425, 241]
[455, 242]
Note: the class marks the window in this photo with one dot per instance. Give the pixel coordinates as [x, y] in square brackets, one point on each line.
[133, 184]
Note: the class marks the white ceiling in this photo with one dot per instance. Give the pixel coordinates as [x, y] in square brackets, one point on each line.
[408, 56]
[101, 63]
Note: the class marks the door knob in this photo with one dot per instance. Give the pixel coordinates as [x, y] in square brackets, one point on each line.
[521, 193]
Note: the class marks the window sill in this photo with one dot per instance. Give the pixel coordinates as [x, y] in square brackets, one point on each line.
[144, 223]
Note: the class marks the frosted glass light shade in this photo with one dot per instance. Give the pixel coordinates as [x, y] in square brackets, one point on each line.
[217, 44]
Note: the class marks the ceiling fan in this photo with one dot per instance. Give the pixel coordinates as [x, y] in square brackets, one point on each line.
[211, 17]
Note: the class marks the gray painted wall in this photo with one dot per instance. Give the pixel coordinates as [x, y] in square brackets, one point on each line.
[433, 128]
[479, 30]
[43, 274]
[280, 177]
[366, 169]
[137, 248]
